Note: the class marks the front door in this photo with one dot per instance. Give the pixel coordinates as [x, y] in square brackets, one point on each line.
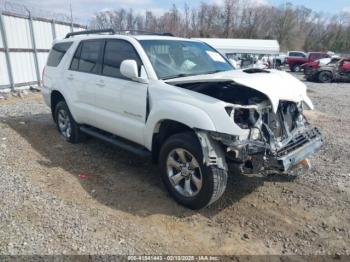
[120, 102]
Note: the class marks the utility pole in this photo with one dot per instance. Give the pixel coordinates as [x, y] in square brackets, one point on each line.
[71, 15]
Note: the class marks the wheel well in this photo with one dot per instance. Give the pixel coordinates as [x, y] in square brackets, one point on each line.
[164, 130]
[55, 98]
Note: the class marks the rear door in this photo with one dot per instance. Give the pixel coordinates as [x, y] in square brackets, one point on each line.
[80, 78]
[120, 102]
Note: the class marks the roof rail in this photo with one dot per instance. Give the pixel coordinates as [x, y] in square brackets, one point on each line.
[87, 32]
[142, 32]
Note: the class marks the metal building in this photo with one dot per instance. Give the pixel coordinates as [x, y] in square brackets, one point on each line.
[25, 42]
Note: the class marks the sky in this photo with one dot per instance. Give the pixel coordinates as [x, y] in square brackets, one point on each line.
[83, 10]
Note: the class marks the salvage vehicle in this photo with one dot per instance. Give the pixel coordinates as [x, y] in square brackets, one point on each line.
[338, 69]
[295, 62]
[180, 102]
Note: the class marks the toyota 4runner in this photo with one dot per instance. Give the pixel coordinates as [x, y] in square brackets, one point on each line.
[180, 102]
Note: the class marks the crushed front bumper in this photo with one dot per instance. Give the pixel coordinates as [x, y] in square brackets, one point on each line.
[297, 150]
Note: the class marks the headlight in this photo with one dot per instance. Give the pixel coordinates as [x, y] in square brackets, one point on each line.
[245, 118]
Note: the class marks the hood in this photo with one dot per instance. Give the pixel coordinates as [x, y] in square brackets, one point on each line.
[276, 85]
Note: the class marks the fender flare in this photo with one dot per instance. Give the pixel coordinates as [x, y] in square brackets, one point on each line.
[183, 113]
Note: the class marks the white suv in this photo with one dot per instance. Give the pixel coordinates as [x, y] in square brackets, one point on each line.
[181, 102]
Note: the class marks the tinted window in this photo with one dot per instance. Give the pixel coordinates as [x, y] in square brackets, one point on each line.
[86, 58]
[297, 54]
[116, 51]
[57, 53]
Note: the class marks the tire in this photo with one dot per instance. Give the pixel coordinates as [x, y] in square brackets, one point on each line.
[296, 68]
[66, 125]
[213, 179]
[325, 77]
[278, 63]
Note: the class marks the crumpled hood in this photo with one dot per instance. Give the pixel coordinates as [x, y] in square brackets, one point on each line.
[276, 85]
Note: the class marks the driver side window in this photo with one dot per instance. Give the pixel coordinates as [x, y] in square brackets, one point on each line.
[116, 51]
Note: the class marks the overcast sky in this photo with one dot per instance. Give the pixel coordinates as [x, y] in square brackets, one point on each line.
[83, 10]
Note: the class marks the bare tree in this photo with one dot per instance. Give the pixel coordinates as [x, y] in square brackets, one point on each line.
[295, 27]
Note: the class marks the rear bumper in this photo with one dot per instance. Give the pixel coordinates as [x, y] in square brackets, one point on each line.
[299, 149]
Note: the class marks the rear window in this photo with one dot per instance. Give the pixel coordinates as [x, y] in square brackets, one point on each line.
[86, 58]
[297, 54]
[57, 53]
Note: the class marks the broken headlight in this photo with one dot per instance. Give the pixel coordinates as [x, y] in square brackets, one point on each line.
[245, 118]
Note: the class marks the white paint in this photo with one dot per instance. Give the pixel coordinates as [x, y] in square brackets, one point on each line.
[43, 34]
[243, 46]
[18, 32]
[23, 67]
[4, 77]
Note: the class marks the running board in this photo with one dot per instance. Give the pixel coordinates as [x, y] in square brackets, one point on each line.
[116, 141]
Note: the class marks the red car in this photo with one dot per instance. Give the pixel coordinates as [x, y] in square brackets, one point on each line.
[336, 70]
[295, 63]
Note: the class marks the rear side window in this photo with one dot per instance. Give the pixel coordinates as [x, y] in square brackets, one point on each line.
[57, 53]
[87, 56]
[116, 51]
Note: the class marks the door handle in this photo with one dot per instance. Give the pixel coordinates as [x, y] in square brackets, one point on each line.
[70, 77]
[100, 83]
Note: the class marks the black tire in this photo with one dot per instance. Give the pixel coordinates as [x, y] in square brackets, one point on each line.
[214, 179]
[325, 77]
[76, 135]
[296, 68]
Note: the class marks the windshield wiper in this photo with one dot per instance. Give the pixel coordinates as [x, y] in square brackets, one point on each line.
[212, 72]
[184, 75]
[176, 76]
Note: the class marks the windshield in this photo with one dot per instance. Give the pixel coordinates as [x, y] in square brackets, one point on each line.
[172, 59]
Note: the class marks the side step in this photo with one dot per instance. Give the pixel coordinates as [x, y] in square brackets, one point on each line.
[116, 141]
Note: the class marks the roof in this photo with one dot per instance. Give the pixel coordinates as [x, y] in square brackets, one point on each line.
[243, 46]
[123, 36]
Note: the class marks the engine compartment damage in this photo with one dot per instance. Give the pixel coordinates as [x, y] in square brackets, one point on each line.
[277, 142]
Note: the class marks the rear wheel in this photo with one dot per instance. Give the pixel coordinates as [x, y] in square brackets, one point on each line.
[296, 68]
[188, 180]
[66, 125]
[325, 77]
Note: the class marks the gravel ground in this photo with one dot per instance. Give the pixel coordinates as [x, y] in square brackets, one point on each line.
[91, 198]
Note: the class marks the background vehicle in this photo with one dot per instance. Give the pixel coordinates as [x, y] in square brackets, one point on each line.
[311, 67]
[338, 69]
[295, 62]
[180, 102]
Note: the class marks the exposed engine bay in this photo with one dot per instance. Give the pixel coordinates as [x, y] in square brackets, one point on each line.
[276, 142]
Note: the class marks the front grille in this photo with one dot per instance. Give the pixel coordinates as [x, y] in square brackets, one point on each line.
[299, 140]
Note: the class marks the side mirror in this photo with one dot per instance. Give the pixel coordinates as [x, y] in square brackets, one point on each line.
[129, 69]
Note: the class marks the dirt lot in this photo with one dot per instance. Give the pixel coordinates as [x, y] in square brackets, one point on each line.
[92, 198]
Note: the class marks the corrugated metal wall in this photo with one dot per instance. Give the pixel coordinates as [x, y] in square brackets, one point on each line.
[24, 46]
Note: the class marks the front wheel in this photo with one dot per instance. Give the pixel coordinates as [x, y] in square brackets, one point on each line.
[296, 68]
[188, 180]
[325, 77]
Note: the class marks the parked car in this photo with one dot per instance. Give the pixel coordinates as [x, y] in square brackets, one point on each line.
[279, 60]
[338, 69]
[310, 67]
[180, 102]
[295, 62]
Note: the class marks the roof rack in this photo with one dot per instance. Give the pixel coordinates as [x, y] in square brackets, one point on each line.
[88, 32]
[112, 32]
[142, 32]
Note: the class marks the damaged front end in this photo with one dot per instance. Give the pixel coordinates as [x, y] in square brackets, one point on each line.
[279, 137]
[277, 142]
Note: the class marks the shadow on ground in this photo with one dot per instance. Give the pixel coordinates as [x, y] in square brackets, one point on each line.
[117, 178]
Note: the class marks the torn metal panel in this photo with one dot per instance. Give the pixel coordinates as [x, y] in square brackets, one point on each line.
[213, 154]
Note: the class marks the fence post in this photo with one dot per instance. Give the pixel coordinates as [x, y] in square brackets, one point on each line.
[36, 61]
[53, 29]
[7, 52]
